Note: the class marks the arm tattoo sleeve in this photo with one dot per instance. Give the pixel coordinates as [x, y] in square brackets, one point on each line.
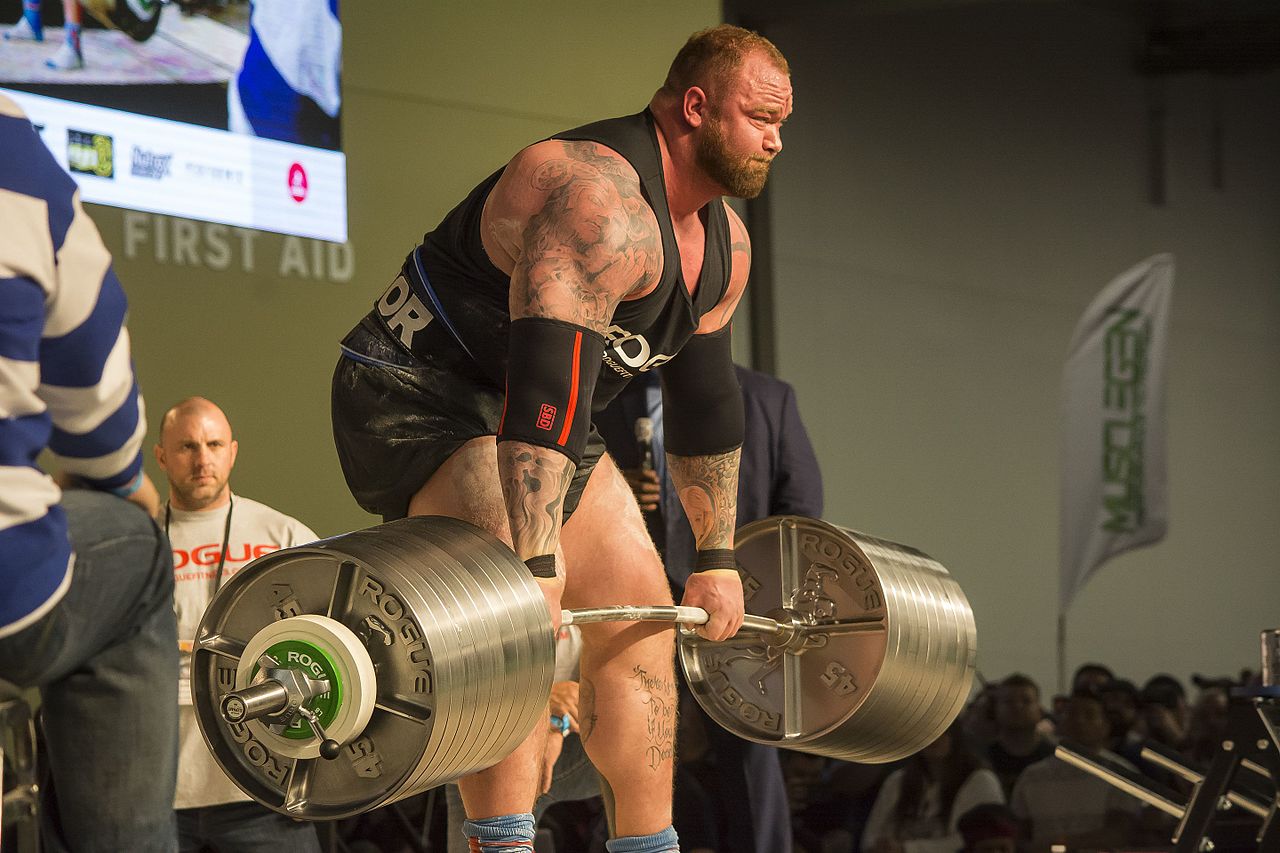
[708, 490]
[534, 482]
[594, 241]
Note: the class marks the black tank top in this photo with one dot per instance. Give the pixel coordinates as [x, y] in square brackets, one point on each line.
[452, 277]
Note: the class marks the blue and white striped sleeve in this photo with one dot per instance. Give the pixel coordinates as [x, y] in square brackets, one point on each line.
[86, 372]
[66, 378]
[86, 380]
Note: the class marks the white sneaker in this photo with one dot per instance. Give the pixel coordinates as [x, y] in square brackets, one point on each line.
[22, 31]
[66, 59]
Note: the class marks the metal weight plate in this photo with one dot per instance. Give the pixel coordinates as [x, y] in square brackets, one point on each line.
[882, 659]
[456, 630]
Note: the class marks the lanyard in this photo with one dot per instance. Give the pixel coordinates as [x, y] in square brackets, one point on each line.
[226, 539]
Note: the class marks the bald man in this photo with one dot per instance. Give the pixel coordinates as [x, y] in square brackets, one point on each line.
[214, 534]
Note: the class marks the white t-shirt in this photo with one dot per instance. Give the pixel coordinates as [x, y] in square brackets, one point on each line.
[931, 831]
[1061, 800]
[196, 537]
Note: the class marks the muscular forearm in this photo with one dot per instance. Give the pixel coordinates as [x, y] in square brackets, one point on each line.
[708, 490]
[534, 482]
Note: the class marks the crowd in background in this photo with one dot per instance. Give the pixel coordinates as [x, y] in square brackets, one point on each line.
[989, 784]
[1007, 736]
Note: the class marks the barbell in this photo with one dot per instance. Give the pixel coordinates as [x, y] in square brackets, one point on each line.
[336, 677]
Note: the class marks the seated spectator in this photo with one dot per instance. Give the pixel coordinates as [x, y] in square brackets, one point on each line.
[989, 828]
[1019, 742]
[1057, 803]
[980, 718]
[1208, 726]
[1164, 711]
[919, 806]
[1120, 703]
[86, 581]
[1091, 676]
[814, 816]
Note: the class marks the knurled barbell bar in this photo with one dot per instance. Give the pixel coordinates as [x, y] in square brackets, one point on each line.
[419, 651]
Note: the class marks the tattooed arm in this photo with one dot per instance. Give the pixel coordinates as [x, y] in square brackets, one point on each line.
[588, 240]
[708, 484]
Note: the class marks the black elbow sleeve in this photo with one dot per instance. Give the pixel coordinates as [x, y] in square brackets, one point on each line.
[702, 401]
[552, 368]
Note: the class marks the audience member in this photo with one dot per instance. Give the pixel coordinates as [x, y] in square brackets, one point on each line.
[819, 819]
[1208, 726]
[778, 475]
[989, 828]
[1058, 803]
[1164, 711]
[1019, 742]
[919, 806]
[214, 534]
[1091, 676]
[1120, 702]
[979, 717]
[86, 612]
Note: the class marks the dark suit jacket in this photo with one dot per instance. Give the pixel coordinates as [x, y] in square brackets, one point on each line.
[778, 474]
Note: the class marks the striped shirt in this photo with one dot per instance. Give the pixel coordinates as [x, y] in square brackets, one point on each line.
[66, 377]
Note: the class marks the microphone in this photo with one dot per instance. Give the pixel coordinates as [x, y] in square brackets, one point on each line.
[644, 442]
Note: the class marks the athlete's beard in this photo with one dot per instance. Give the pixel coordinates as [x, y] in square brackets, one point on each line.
[741, 176]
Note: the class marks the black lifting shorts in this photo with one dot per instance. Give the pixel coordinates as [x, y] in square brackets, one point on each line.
[397, 417]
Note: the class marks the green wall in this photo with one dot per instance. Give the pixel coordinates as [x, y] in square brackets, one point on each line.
[436, 96]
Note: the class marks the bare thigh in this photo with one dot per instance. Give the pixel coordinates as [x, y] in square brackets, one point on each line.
[607, 549]
[466, 486]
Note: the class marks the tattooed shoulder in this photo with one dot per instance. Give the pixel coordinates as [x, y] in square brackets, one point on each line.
[593, 241]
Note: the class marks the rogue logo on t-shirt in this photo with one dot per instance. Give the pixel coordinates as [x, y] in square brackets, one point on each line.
[207, 555]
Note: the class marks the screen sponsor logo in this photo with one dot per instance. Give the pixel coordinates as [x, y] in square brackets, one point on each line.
[91, 153]
[212, 173]
[298, 183]
[149, 164]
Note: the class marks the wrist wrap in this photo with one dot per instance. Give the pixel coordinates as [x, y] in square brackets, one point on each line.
[715, 558]
[552, 368]
[542, 566]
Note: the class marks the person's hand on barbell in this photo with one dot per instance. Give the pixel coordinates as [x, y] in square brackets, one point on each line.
[719, 592]
[564, 702]
[552, 590]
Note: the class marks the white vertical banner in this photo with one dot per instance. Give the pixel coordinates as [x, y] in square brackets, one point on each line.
[1114, 483]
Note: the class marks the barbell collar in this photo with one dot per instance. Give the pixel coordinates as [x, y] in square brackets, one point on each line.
[265, 699]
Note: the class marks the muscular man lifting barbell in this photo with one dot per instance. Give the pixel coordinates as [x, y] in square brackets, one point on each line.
[588, 258]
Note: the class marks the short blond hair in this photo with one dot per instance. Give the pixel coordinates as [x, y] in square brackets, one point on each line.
[711, 55]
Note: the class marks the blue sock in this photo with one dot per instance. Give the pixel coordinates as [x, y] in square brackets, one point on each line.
[507, 833]
[660, 842]
[73, 36]
[31, 11]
